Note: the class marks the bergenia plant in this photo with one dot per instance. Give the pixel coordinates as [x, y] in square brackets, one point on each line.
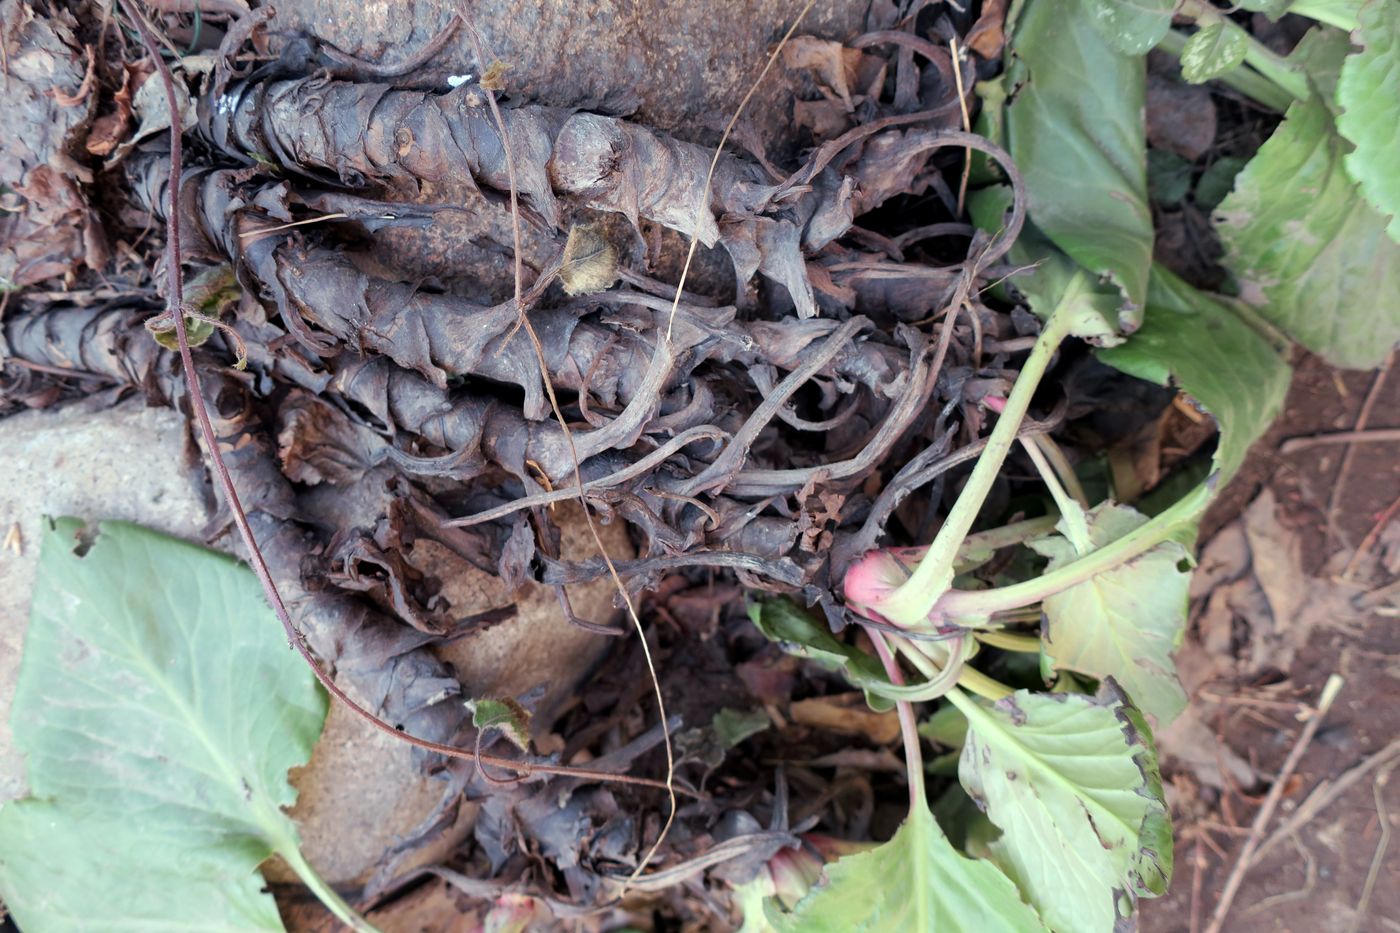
[1074, 829]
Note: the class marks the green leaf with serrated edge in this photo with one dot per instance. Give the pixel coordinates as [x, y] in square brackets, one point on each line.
[1132, 26]
[797, 633]
[1123, 623]
[1200, 342]
[916, 881]
[1075, 128]
[1212, 51]
[158, 709]
[1308, 253]
[732, 726]
[504, 714]
[1044, 273]
[1369, 94]
[1073, 784]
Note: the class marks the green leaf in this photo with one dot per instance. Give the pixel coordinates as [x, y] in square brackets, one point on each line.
[1200, 342]
[1212, 51]
[1320, 54]
[1369, 93]
[1343, 14]
[1168, 177]
[1132, 26]
[947, 726]
[1049, 274]
[159, 709]
[732, 726]
[505, 714]
[1213, 185]
[801, 635]
[1075, 128]
[1309, 254]
[1271, 8]
[1123, 623]
[916, 881]
[1073, 784]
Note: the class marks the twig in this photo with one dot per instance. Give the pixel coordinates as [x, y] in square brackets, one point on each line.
[1369, 541]
[1266, 812]
[1198, 863]
[1378, 859]
[1326, 793]
[966, 124]
[704, 205]
[1286, 897]
[1374, 436]
[1343, 471]
[260, 231]
[295, 639]
[524, 320]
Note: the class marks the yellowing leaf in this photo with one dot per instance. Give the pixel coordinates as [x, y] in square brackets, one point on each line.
[1123, 623]
[1309, 254]
[1072, 782]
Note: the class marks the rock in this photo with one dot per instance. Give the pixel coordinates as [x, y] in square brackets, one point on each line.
[362, 792]
[1180, 117]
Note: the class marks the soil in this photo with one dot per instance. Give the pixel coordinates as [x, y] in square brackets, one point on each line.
[1314, 879]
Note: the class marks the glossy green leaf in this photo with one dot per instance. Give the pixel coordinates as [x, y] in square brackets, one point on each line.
[158, 709]
[1132, 26]
[1308, 253]
[1201, 343]
[1124, 623]
[1369, 94]
[1072, 782]
[916, 881]
[1075, 128]
[799, 634]
[1212, 51]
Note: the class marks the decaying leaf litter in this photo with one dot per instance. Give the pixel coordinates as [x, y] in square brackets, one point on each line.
[389, 400]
